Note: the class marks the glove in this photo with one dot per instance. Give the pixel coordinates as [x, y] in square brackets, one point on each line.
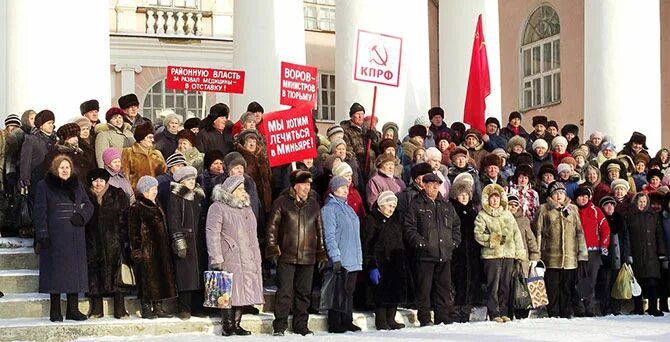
[503, 239]
[495, 240]
[179, 245]
[321, 265]
[375, 276]
[665, 263]
[604, 252]
[77, 220]
[274, 260]
[629, 260]
[216, 267]
[182, 253]
[44, 243]
[372, 135]
[136, 254]
[337, 266]
[23, 185]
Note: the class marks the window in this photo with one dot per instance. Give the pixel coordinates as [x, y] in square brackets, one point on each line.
[326, 104]
[541, 59]
[182, 101]
[319, 15]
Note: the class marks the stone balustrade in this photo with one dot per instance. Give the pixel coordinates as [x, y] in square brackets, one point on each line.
[174, 22]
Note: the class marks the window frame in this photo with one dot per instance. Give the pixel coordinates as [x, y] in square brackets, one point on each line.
[331, 97]
[165, 94]
[322, 23]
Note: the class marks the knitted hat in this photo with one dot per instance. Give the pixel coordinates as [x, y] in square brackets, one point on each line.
[420, 169]
[606, 145]
[386, 143]
[192, 123]
[607, 200]
[355, 107]
[552, 123]
[514, 115]
[384, 158]
[620, 183]
[142, 131]
[171, 117]
[336, 142]
[43, 117]
[97, 173]
[614, 166]
[334, 130]
[233, 159]
[540, 143]
[418, 131]
[342, 169]
[175, 159]
[68, 131]
[432, 153]
[459, 150]
[500, 153]
[219, 110]
[582, 191]
[145, 183]
[514, 141]
[512, 199]
[88, 106]
[431, 177]
[110, 154]
[83, 122]
[232, 183]
[12, 119]
[596, 134]
[559, 140]
[580, 152]
[540, 120]
[186, 134]
[210, 157]
[300, 176]
[113, 111]
[435, 111]
[184, 173]
[463, 183]
[491, 159]
[654, 173]
[337, 182]
[555, 186]
[563, 167]
[492, 120]
[422, 121]
[387, 197]
[255, 107]
[247, 117]
[128, 100]
[474, 133]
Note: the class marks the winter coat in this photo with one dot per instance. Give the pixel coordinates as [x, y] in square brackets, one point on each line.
[453, 171]
[209, 138]
[63, 267]
[382, 182]
[619, 249]
[596, 228]
[405, 198]
[136, 161]
[107, 241]
[468, 253]
[495, 141]
[148, 235]
[258, 168]
[13, 144]
[409, 147]
[139, 120]
[108, 136]
[647, 242]
[82, 163]
[432, 229]
[3, 150]
[539, 161]
[571, 186]
[485, 180]
[529, 242]
[640, 180]
[164, 182]
[231, 240]
[88, 147]
[353, 137]
[341, 234]
[560, 235]
[295, 230]
[119, 180]
[492, 224]
[665, 220]
[385, 251]
[194, 158]
[477, 153]
[183, 216]
[529, 200]
[34, 149]
[508, 132]
[166, 143]
[628, 150]
[442, 131]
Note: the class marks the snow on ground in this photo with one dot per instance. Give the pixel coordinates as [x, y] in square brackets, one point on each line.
[622, 328]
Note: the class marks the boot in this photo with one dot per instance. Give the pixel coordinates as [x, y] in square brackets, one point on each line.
[653, 308]
[380, 319]
[146, 310]
[227, 322]
[158, 310]
[184, 305]
[639, 309]
[55, 314]
[250, 310]
[72, 311]
[238, 319]
[95, 304]
[335, 323]
[390, 318]
[663, 304]
[120, 306]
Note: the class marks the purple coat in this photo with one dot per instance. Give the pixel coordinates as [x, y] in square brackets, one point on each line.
[380, 183]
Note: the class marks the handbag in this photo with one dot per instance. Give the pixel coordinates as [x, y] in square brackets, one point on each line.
[126, 273]
[218, 289]
[622, 288]
[536, 286]
[24, 212]
[521, 297]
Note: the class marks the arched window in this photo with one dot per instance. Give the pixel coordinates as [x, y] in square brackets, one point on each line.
[182, 101]
[541, 59]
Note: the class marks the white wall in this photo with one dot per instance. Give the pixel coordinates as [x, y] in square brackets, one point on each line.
[3, 60]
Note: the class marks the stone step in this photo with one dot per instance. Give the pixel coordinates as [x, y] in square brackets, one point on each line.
[19, 281]
[18, 258]
[15, 242]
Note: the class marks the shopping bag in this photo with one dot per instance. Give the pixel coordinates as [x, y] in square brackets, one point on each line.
[622, 288]
[635, 288]
[218, 289]
[24, 213]
[536, 286]
[333, 292]
[521, 297]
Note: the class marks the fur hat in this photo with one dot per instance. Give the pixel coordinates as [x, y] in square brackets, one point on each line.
[435, 111]
[342, 169]
[540, 120]
[473, 132]
[184, 173]
[523, 158]
[113, 111]
[68, 131]
[540, 143]
[432, 177]
[606, 200]
[255, 107]
[12, 119]
[219, 110]
[514, 115]
[110, 154]
[233, 159]
[555, 186]
[387, 197]
[300, 176]
[636, 137]
[459, 150]
[192, 123]
[336, 142]
[491, 159]
[620, 182]
[641, 158]
[96, 173]
[83, 122]
[596, 134]
[420, 169]
[547, 168]
[563, 167]
[463, 183]
[570, 161]
[525, 170]
[43, 117]
[559, 140]
[334, 129]
[142, 131]
[384, 158]
[88, 106]
[247, 117]
[186, 134]
[386, 143]
[654, 173]
[570, 128]
[355, 108]
[336, 183]
[232, 183]
[128, 100]
[174, 160]
[418, 131]
[145, 183]
[500, 153]
[492, 120]
[552, 123]
[210, 157]
[582, 191]
[516, 140]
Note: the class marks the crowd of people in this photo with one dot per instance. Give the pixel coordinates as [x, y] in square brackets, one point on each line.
[438, 219]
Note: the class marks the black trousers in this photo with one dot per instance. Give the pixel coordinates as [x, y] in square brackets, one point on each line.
[433, 286]
[587, 276]
[498, 280]
[339, 319]
[560, 284]
[604, 285]
[294, 292]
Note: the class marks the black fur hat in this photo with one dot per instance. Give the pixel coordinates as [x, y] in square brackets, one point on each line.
[88, 106]
[128, 100]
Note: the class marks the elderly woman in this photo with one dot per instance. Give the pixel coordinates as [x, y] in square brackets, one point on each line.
[142, 159]
[496, 230]
[61, 211]
[186, 146]
[341, 230]
[112, 160]
[559, 150]
[150, 250]
[593, 180]
[166, 140]
[354, 199]
[529, 243]
[116, 133]
[258, 167]
[384, 179]
[521, 186]
[106, 243]
[233, 247]
[188, 240]
[434, 158]
[86, 142]
[386, 260]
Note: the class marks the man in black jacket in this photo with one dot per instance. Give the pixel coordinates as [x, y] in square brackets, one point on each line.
[433, 230]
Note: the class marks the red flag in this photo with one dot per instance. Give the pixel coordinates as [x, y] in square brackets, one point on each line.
[479, 84]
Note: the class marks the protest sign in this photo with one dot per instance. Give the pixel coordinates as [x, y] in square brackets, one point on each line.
[298, 85]
[378, 58]
[289, 135]
[203, 79]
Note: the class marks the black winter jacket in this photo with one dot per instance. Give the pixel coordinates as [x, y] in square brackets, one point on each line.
[432, 229]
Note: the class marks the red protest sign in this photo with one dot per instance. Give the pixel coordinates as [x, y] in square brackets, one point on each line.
[203, 79]
[298, 85]
[289, 135]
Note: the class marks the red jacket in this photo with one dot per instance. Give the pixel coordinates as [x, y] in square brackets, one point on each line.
[596, 228]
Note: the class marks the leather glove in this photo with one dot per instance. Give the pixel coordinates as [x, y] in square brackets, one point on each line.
[136, 254]
[321, 265]
[629, 260]
[337, 266]
[372, 135]
[375, 276]
[77, 220]
[44, 243]
[216, 267]
[274, 260]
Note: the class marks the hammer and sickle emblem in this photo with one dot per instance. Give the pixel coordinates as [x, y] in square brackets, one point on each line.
[379, 54]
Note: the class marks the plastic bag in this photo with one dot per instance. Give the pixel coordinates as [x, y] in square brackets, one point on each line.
[635, 288]
[218, 289]
[622, 288]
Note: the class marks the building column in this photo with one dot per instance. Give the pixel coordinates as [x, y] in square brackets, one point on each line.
[57, 59]
[128, 72]
[622, 70]
[222, 19]
[126, 17]
[457, 24]
[405, 19]
[266, 32]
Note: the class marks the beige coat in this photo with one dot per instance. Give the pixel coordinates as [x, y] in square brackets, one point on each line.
[560, 236]
[109, 136]
[529, 241]
[492, 224]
